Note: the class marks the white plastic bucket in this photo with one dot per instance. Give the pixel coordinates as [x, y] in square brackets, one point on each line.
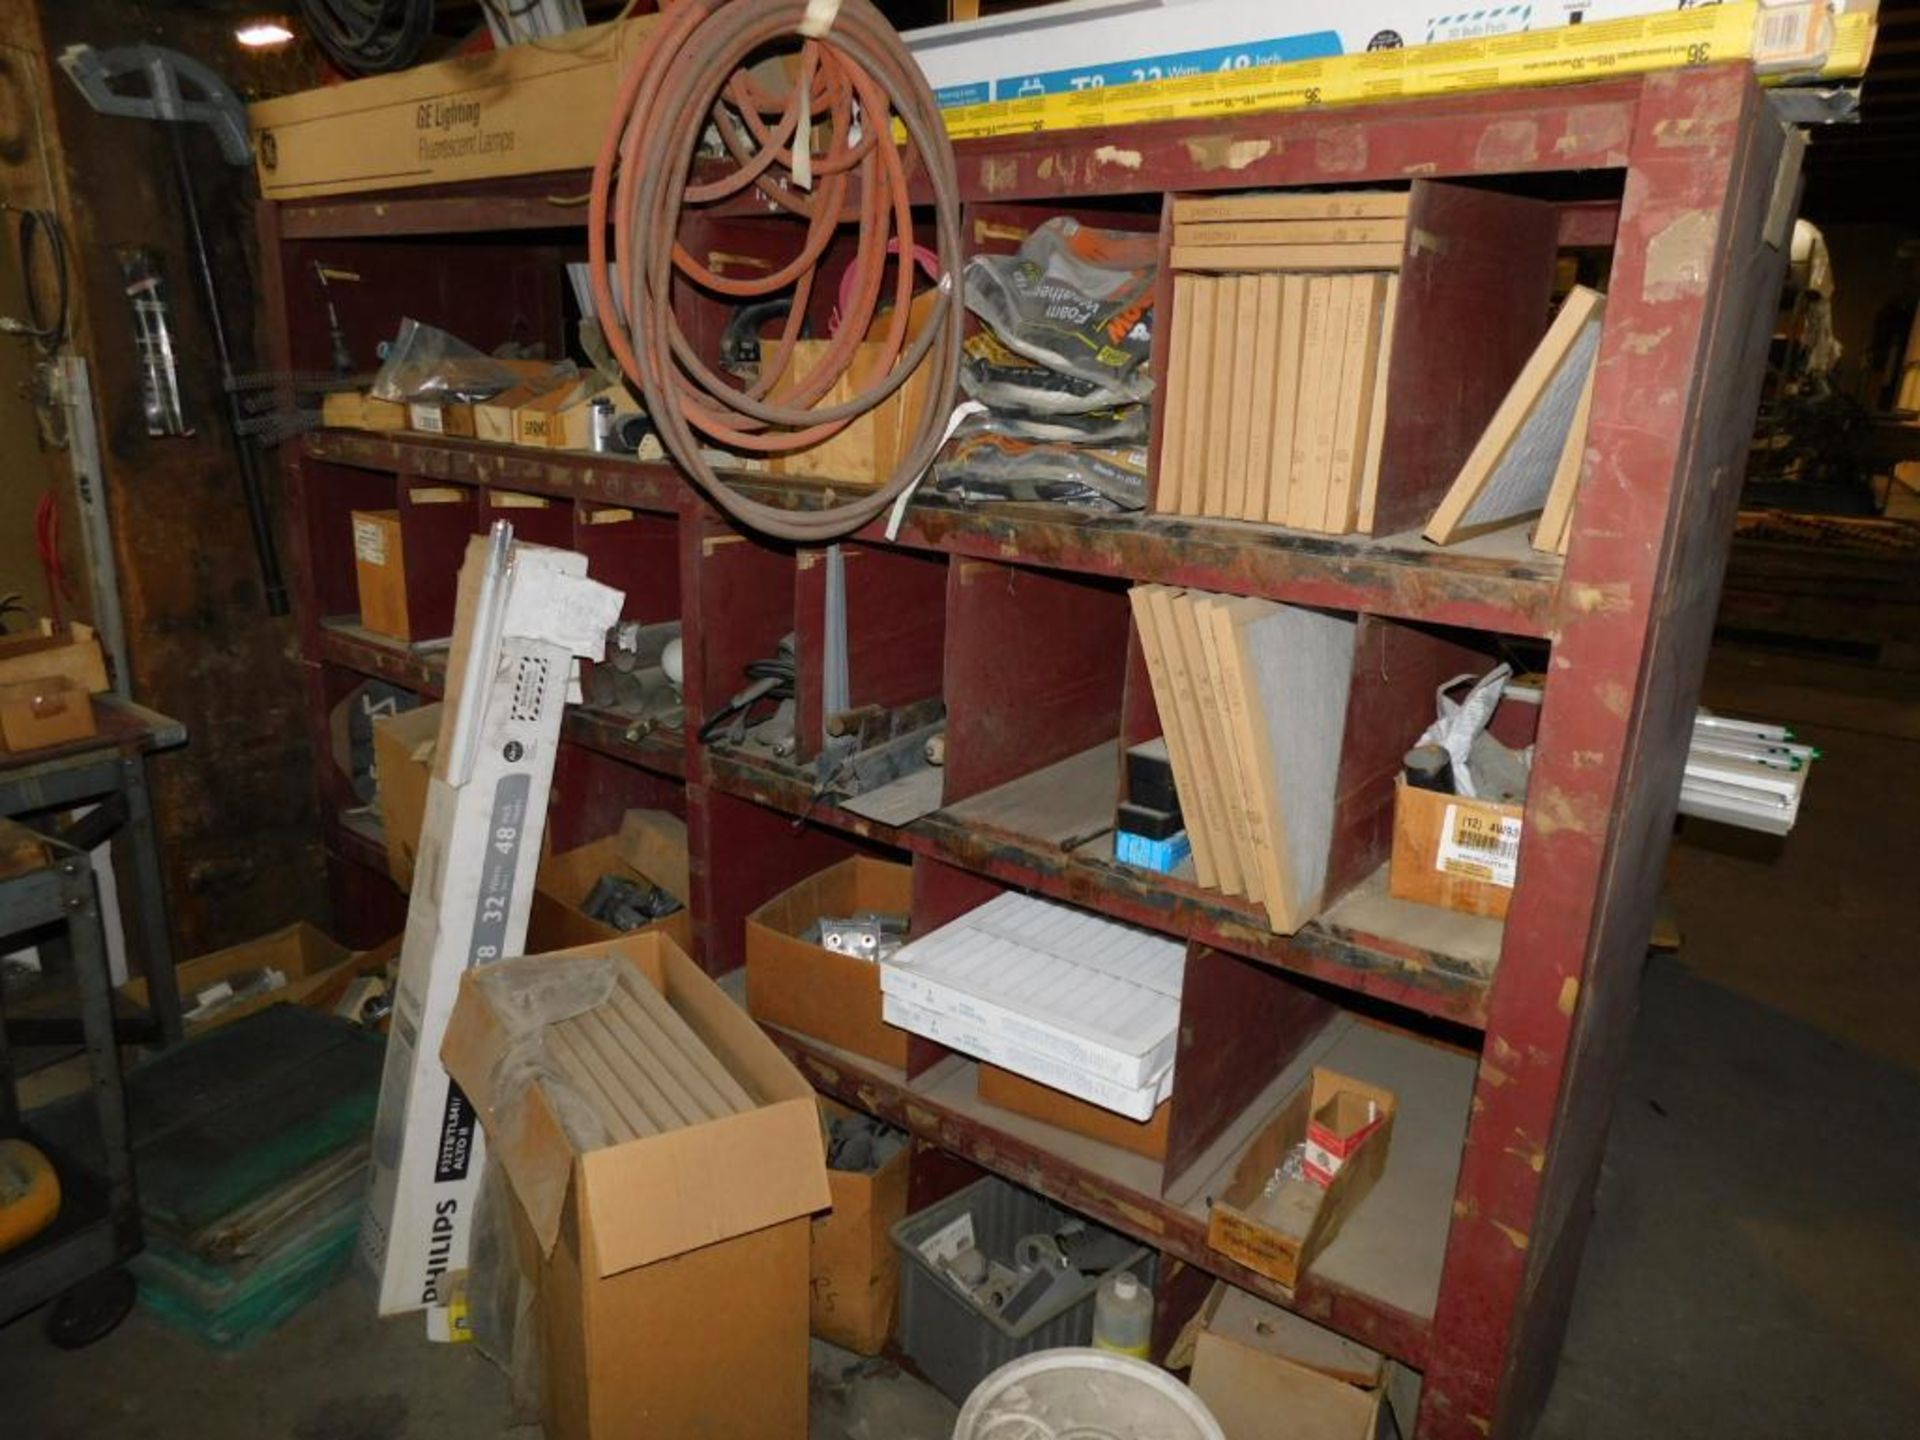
[1083, 1395]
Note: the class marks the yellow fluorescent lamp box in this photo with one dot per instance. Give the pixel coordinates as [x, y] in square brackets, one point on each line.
[520, 111]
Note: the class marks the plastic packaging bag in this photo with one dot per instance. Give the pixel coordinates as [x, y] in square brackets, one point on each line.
[425, 363]
[1001, 378]
[1074, 299]
[1125, 425]
[993, 467]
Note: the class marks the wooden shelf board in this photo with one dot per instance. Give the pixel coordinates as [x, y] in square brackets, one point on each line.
[1493, 582]
[346, 643]
[1377, 1282]
[1063, 805]
[1398, 964]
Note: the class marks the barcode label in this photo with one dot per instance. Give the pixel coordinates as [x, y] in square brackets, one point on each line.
[1787, 32]
[1479, 846]
[428, 419]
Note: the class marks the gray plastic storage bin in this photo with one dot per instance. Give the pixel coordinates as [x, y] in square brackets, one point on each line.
[954, 1342]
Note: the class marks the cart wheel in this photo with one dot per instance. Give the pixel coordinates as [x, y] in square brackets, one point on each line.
[91, 1310]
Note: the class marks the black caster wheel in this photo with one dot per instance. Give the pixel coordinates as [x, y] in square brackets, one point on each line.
[91, 1310]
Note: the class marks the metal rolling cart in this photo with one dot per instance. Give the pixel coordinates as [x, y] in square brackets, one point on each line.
[47, 885]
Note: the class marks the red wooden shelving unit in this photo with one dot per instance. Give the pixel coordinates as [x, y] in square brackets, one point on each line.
[1504, 1041]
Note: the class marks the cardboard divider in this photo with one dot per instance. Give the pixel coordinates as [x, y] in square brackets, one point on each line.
[1480, 263]
[755, 854]
[896, 631]
[1035, 670]
[338, 491]
[742, 599]
[536, 519]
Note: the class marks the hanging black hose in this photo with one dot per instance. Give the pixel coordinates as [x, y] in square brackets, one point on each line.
[38, 228]
[370, 37]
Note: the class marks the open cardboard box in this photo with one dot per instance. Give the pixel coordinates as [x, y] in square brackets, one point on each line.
[71, 652]
[809, 989]
[403, 750]
[567, 877]
[1253, 1361]
[855, 1267]
[52, 710]
[1280, 1235]
[317, 968]
[1454, 852]
[671, 1271]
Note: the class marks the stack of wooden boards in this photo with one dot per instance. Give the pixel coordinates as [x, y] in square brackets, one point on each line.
[640, 1067]
[1527, 461]
[1252, 697]
[1276, 394]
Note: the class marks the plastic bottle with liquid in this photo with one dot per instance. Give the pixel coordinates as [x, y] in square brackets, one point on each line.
[1123, 1316]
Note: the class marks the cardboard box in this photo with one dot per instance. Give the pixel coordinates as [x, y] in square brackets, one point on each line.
[454, 420]
[855, 1267]
[811, 990]
[1055, 1107]
[564, 881]
[1335, 1133]
[525, 110]
[1454, 852]
[572, 426]
[671, 1271]
[533, 422]
[311, 960]
[869, 449]
[352, 410]
[494, 419]
[1280, 1236]
[1253, 1361]
[52, 710]
[380, 572]
[71, 651]
[654, 842]
[403, 750]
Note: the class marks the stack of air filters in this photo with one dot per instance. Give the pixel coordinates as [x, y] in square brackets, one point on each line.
[1072, 1000]
[640, 1067]
[1276, 391]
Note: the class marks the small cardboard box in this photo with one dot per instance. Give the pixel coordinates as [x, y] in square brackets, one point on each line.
[52, 710]
[1281, 1235]
[71, 651]
[306, 955]
[533, 422]
[403, 750]
[809, 989]
[380, 571]
[670, 1271]
[1336, 1131]
[1055, 1107]
[869, 449]
[1253, 1361]
[453, 419]
[493, 419]
[855, 1268]
[352, 410]
[572, 427]
[565, 880]
[1454, 852]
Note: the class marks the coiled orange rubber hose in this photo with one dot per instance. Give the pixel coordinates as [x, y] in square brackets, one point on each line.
[850, 84]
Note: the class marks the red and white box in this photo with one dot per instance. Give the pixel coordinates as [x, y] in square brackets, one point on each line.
[1337, 1130]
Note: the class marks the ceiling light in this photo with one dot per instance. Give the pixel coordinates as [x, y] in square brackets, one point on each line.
[259, 34]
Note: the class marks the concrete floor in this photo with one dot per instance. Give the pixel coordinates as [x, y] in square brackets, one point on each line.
[1754, 1258]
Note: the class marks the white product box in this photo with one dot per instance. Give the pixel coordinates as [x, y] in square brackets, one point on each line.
[525, 614]
[1096, 995]
[1134, 1102]
[1122, 42]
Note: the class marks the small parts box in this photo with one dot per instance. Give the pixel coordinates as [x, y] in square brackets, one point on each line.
[1278, 1224]
[1453, 852]
[35, 714]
